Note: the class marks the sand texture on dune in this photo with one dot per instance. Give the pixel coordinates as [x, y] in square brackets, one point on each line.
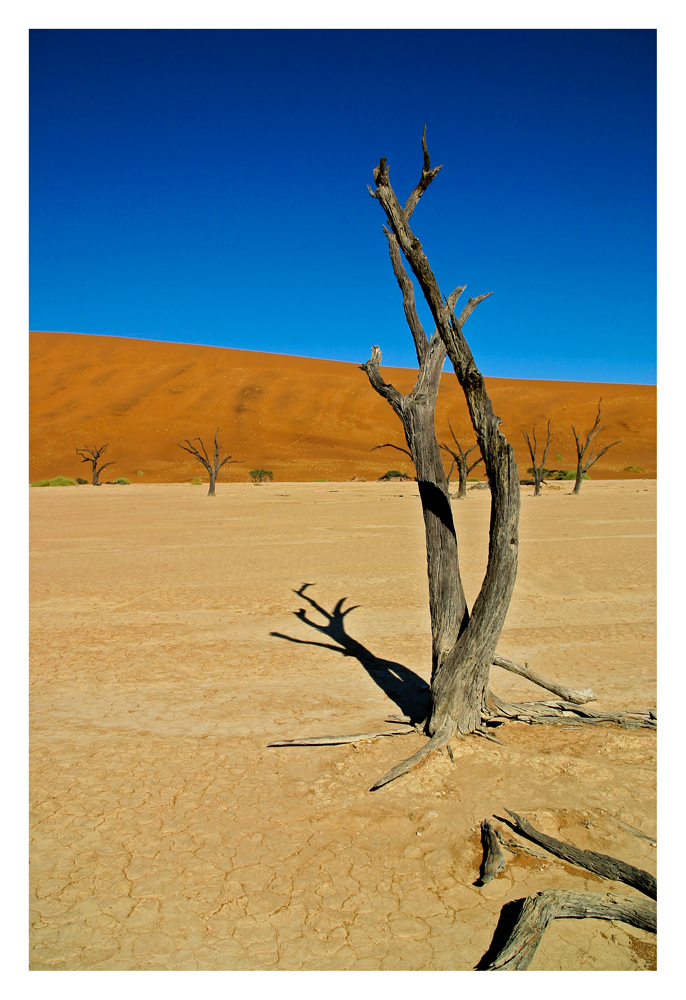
[302, 418]
[168, 648]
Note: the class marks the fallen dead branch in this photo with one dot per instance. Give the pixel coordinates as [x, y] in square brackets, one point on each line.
[537, 911]
[601, 864]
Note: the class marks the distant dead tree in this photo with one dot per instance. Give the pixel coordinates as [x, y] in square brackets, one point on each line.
[538, 470]
[92, 455]
[213, 466]
[583, 466]
[460, 459]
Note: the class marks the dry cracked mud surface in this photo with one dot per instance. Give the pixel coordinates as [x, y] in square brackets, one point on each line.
[168, 648]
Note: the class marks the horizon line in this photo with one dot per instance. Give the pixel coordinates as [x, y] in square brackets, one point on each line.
[308, 357]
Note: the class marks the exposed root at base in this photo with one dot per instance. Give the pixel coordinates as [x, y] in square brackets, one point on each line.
[438, 740]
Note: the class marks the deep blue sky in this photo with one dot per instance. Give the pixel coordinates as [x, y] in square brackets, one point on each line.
[210, 187]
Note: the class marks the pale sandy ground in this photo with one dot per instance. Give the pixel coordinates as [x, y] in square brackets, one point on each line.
[165, 834]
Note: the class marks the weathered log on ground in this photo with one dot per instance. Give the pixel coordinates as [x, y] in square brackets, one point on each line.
[569, 694]
[493, 862]
[601, 864]
[537, 911]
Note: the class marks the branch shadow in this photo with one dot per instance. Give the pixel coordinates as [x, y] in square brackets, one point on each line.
[407, 689]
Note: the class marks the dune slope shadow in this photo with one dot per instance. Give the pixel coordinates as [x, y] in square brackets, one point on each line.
[408, 690]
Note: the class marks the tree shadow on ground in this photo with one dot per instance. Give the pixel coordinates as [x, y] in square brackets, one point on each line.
[408, 690]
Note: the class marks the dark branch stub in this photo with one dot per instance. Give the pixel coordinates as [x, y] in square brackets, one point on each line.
[493, 862]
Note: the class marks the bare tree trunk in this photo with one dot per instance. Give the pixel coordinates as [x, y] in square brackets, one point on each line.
[213, 479]
[462, 472]
[579, 477]
[460, 680]
[447, 602]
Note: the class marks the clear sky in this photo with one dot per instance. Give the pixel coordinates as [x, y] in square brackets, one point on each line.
[210, 187]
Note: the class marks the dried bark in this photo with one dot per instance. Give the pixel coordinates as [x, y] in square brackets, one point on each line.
[538, 470]
[537, 911]
[92, 455]
[583, 464]
[213, 466]
[601, 864]
[460, 459]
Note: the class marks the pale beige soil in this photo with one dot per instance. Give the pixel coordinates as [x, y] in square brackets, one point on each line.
[165, 834]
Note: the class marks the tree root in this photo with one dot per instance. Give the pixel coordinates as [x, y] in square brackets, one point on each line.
[537, 911]
[315, 741]
[569, 694]
[438, 740]
[493, 862]
[551, 712]
[601, 864]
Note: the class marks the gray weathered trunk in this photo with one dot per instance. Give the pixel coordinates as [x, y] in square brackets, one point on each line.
[462, 473]
[460, 679]
[579, 478]
[213, 479]
[447, 602]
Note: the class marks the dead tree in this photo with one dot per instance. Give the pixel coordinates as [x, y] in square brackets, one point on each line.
[538, 470]
[583, 464]
[463, 644]
[92, 455]
[460, 458]
[213, 466]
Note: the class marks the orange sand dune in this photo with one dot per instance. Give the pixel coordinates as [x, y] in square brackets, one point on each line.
[303, 418]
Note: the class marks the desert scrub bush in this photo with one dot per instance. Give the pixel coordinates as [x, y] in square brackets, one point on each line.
[196, 481]
[122, 481]
[260, 475]
[559, 474]
[80, 481]
[393, 474]
[56, 481]
[633, 468]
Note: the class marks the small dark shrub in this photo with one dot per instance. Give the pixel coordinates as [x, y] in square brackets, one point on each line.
[260, 475]
[394, 474]
[81, 482]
